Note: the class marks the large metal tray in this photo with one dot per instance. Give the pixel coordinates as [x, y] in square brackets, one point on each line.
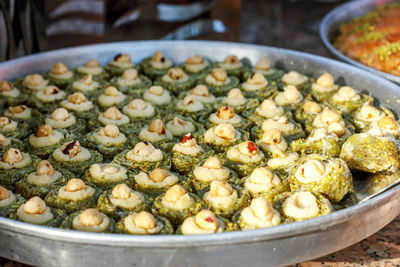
[345, 13]
[281, 245]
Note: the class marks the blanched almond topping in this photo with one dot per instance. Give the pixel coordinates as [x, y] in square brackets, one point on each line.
[174, 193]
[369, 112]
[311, 106]
[157, 126]
[71, 149]
[138, 104]
[256, 78]
[206, 219]
[271, 137]
[312, 169]
[60, 114]
[156, 90]
[87, 79]
[248, 148]
[59, 68]
[90, 218]
[225, 113]
[176, 73]
[158, 175]
[112, 113]
[44, 130]
[145, 220]
[121, 191]
[220, 189]
[92, 64]
[122, 58]
[337, 129]
[3, 139]
[6, 86]
[33, 79]
[387, 123]
[110, 130]
[194, 60]
[44, 168]
[330, 116]
[17, 109]
[200, 90]
[268, 104]
[35, 205]
[225, 131]
[4, 121]
[232, 59]
[12, 156]
[130, 74]
[74, 185]
[111, 91]
[77, 98]
[188, 140]
[188, 100]
[325, 80]
[235, 93]
[110, 169]
[4, 193]
[291, 93]
[213, 163]
[279, 153]
[158, 57]
[261, 207]
[219, 74]
[347, 92]
[51, 90]
[178, 122]
[144, 148]
[263, 64]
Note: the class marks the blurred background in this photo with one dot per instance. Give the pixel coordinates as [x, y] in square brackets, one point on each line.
[30, 26]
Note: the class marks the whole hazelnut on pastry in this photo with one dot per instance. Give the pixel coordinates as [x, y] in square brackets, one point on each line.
[337, 129]
[44, 168]
[369, 112]
[130, 74]
[271, 137]
[312, 169]
[195, 60]
[291, 93]
[44, 131]
[74, 185]
[111, 91]
[17, 109]
[248, 148]
[157, 126]
[225, 131]
[77, 98]
[176, 73]
[145, 220]
[6, 86]
[220, 189]
[219, 74]
[138, 104]
[311, 107]
[256, 78]
[325, 80]
[188, 100]
[60, 114]
[330, 116]
[263, 64]
[235, 93]
[87, 79]
[213, 163]
[71, 148]
[225, 113]
[59, 68]
[33, 80]
[112, 113]
[156, 90]
[347, 92]
[174, 193]
[35, 205]
[110, 130]
[206, 219]
[232, 59]
[92, 64]
[12, 156]
[122, 58]
[200, 90]
[158, 57]
[279, 153]
[121, 191]
[90, 218]
[51, 90]
[158, 175]
[4, 193]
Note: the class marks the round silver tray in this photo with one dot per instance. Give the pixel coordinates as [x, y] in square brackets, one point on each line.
[345, 13]
[281, 245]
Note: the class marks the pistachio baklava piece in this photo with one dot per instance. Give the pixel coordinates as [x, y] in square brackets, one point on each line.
[106, 175]
[219, 83]
[89, 220]
[326, 119]
[144, 223]
[244, 158]
[366, 115]
[371, 152]
[121, 200]
[93, 68]
[300, 206]
[60, 75]
[324, 88]
[10, 142]
[75, 158]
[180, 126]
[110, 97]
[13, 128]
[197, 66]
[347, 100]
[33, 83]
[87, 86]
[191, 108]
[23, 113]
[35, 211]
[232, 65]
[272, 140]
[61, 120]
[223, 136]
[156, 182]
[9, 203]
[42, 181]
[139, 111]
[10, 95]
[387, 125]
[48, 99]
[78, 104]
[155, 133]
[205, 222]
[119, 64]
[108, 140]
[226, 114]
[131, 82]
[156, 66]
[45, 141]
[256, 86]
[301, 81]
[157, 96]
[289, 129]
[322, 174]
[268, 109]
[176, 81]
[14, 165]
[176, 204]
[188, 153]
[73, 196]
[239, 102]
[209, 170]
[263, 182]
[260, 214]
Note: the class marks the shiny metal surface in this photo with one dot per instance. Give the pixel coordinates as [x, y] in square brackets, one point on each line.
[281, 245]
[345, 13]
